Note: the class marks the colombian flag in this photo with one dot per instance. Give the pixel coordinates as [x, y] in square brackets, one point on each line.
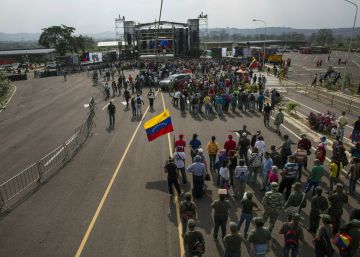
[158, 126]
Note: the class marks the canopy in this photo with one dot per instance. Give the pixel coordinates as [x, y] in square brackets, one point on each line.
[242, 71]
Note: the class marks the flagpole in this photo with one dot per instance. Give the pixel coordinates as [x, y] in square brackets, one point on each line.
[174, 139]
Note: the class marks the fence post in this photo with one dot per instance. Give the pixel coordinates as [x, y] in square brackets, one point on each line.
[66, 151]
[332, 100]
[3, 204]
[40, 169]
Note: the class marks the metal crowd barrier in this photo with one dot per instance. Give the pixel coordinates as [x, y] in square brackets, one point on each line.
[342, 102]
[14, 189]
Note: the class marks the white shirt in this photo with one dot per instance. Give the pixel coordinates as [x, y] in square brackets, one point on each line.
[224, 172]
[179, 158]
[177, 94]
[260, 145]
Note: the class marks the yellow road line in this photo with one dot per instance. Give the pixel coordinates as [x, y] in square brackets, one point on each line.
[176, 198]
[106, 194]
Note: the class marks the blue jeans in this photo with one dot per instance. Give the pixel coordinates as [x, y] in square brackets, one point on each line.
[219, 108]
[247, 217]
[340, 132]
[310, 184]
[212, 159]
[184, 226]
[253, 174]
[352, 185]
[287, 249]
[260, 250]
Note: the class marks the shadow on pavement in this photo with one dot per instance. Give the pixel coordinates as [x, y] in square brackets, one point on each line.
[222, 117]
[219, 248]
[276, 247]
[160, 185]
[205, 216]
[172, 214]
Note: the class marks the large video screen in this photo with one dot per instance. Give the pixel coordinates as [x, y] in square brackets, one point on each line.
[162, 43]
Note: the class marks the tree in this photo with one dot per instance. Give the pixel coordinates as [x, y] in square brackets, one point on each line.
[4, 87]
[81, 43]
[324, 36]
[58, 37]
[223, 35]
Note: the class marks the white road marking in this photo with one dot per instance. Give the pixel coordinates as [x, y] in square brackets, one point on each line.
[105, 106]
[314, 69]
[9, 99]
[356, 63]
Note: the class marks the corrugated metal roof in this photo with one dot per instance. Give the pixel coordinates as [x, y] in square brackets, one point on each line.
[27, 51]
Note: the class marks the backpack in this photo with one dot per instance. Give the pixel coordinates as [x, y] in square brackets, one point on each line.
[138, 100]
[198, 247]
[188, 212]
[291, 236]
[343, 240]
[242, 176]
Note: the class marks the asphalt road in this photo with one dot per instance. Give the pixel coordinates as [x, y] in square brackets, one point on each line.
[303, 66]
[307, 104]
[112, 199]
[41, 115]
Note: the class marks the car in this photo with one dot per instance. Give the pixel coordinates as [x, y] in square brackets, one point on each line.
[174, 80]
[283, 50]
[51, 65]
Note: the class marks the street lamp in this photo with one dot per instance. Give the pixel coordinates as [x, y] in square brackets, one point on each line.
[157, 36]
[351, 37]
[264, 39]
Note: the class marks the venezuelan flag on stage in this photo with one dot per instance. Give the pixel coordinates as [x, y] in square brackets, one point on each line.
[158, 126]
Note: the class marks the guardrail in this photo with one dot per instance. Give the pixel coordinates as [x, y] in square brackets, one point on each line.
[14, 189]
[343, 103]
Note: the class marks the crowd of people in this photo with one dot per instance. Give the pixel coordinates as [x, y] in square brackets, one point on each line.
[278, 172]
[237, 165]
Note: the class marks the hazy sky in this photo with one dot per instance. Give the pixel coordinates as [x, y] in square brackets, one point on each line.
[92, 16]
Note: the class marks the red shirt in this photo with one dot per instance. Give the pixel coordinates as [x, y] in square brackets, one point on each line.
[180, 142]
[320, 153]
[229, 145]
[306, 143]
